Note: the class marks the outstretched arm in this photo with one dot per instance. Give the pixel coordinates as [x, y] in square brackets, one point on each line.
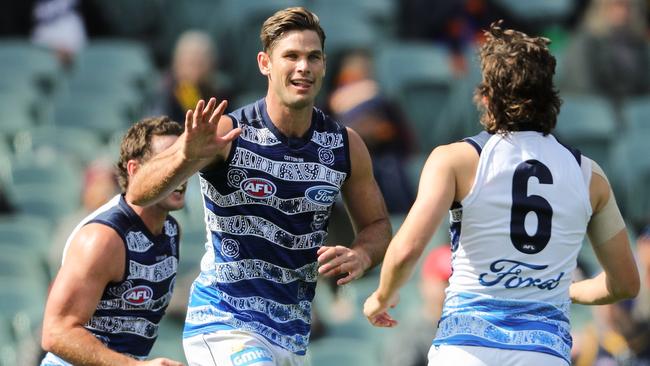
[608, 237]
[206, 139]
[435, 195]
[367, 209]
[95, 258]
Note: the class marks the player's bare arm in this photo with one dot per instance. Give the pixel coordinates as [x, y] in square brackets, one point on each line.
[608, 236]
[95, 257]
[207, 139]
[369, 215]
[447, 176]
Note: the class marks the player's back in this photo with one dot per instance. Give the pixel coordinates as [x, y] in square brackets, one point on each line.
[515, 239]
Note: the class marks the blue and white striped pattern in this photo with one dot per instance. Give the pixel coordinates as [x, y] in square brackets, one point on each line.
[267, 210]
[475, 320]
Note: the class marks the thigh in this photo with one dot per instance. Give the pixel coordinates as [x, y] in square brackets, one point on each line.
[227, 348]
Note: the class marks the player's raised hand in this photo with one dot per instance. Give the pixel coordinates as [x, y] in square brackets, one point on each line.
[161, 362]
[339, 260]
[202, 140]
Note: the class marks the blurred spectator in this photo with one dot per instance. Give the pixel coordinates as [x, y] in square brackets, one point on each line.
[357, 102]
[609, 53]
[99, 186]
[192, 76]
[412, 345]
[58, 26]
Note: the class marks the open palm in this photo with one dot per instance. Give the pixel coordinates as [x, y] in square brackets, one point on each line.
[202, 140]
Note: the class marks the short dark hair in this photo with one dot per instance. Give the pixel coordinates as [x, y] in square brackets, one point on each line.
[289, 19]
[517, 81]
[136, 143]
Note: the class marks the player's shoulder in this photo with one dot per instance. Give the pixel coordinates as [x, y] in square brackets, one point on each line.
[96, 242]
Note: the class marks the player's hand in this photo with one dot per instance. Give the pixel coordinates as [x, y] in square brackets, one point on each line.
[201, 138]
[161, 362]
[339, 260]
[377, 311]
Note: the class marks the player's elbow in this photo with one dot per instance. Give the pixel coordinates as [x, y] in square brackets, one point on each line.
[51, 335]
[627, 289]
[48, 340]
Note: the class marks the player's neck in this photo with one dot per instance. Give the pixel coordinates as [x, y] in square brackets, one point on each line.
[292, 122]
[152, 217]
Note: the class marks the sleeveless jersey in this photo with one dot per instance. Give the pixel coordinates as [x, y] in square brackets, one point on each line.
[266, 210]
[127, 316]
[515, 241]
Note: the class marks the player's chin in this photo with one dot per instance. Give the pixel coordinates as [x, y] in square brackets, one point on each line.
[174, 201]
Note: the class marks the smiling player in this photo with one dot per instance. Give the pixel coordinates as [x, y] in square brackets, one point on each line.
[118, 271]
[270, 172]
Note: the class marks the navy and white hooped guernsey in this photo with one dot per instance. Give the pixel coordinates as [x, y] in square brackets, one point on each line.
[523, 224]
[127, 316]
[266, 210]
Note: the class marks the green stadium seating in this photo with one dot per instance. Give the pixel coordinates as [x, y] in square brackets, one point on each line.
[630, 174]
[22, 62]
[419, 76]
[77, 144]
[588, 123]
[636, 114]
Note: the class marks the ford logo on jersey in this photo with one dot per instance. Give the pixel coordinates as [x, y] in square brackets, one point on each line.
[138, 295]
[258, 187]
[322, 195]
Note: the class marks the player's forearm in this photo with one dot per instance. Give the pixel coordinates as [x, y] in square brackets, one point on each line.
[162, 174]
[79, 347]
[401, 257]
[599, 291]
[371, 242]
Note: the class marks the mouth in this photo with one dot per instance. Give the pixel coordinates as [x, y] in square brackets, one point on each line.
[303, 84]
[181, 188]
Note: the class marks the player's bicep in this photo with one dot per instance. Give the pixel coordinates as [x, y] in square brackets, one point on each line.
[361, 193]
[435, 195]
[95, 258]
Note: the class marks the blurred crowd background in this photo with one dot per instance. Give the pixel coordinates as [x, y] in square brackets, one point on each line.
[74, 74]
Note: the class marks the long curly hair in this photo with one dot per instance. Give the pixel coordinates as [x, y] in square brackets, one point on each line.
[516, 92]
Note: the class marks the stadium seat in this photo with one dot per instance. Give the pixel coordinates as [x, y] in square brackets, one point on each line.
[636, 114]
[108, 61]
[22, 62]
[16, 113]
[79, 145]
[556, 11]
[25, 231]
[92, 114]
[419, 76]
[587, 123]
[630, 174]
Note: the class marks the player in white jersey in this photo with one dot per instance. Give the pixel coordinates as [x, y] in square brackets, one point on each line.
[520, 204]
[118, 270]
[270, 172]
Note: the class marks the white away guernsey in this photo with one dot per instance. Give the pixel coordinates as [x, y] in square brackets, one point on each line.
[515, 240]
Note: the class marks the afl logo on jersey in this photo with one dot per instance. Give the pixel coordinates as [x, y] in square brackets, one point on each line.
[138, 295]
[322, 195]
[258, 187]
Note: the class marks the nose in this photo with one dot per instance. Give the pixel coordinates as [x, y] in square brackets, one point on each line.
[302, 65]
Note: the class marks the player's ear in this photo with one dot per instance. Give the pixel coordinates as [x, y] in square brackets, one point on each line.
[264, 63]
[132, 167]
